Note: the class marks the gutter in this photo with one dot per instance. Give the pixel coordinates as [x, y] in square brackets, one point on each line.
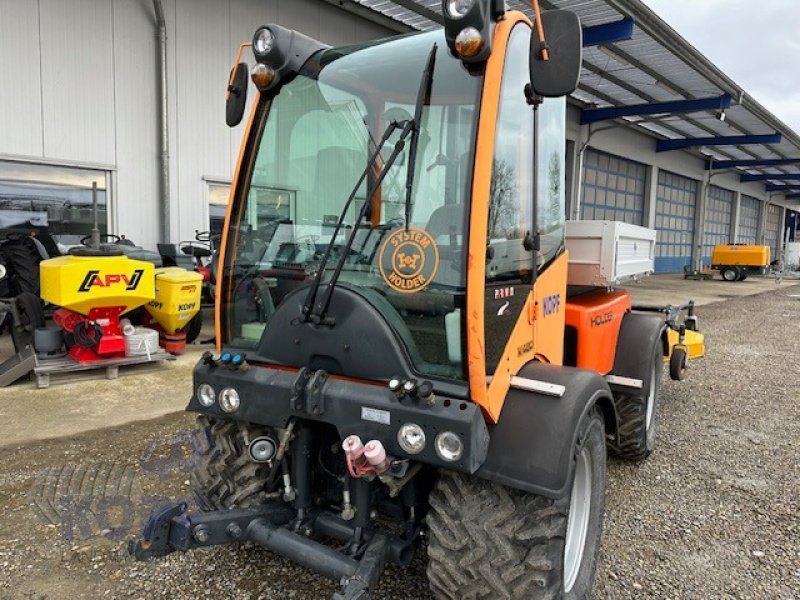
[161, 34]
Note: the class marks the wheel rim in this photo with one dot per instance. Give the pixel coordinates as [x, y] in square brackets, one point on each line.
[651, 401]
[578, 520]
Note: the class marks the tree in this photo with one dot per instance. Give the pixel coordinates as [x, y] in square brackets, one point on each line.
[503, 200]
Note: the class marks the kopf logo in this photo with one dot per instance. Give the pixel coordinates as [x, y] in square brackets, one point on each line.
[94, 279]
[551, 304]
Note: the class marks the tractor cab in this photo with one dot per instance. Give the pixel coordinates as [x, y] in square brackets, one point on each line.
[307, 218]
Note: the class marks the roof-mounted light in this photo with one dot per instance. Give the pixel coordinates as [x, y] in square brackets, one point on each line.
[458, 8]
[469, 26]
[280, 53]
[263, 41]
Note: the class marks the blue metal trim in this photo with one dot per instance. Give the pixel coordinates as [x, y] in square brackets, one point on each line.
[754, 162]
[592, 115]
[793, 196]
[672, 264]
[775, 187]
[730, 140]
[770, 176]
[607, 33]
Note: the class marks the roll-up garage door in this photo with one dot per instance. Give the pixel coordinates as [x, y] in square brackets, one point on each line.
[718, 221]
[613, 188]
[749, 209]
[675, 203]
[772, 229]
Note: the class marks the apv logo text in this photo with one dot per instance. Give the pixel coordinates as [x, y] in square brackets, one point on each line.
[94, 279]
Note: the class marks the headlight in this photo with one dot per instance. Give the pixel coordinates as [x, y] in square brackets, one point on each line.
[469, 42]
[263, 41]
[449, 446]
[411, 438]
[229, 400]
[458, 8]
[206, 394]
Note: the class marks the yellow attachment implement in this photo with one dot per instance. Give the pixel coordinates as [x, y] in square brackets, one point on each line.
[177, 298]
[694, 342]
[80, 283]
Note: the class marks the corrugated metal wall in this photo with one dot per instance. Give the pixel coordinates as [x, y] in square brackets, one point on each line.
[613, 188]
[676, 197]
[749, 209]
[82, 88]
[718, 220]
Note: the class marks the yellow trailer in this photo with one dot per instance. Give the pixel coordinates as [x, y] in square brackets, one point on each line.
[735, 261]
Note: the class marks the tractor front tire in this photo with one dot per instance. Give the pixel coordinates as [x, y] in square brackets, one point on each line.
[637, 415]
[491, 541]
[224, 476]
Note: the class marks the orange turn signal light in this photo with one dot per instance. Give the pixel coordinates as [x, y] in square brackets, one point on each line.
[469, 42]
[262, 75]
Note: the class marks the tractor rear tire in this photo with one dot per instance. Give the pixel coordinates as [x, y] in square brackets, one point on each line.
[491, 541]
[637, 415]
[742, 274]
[22, 258]
[224, 476]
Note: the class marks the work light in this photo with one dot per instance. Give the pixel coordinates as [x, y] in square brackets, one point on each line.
[458, 8]
[449, 446]
[411, 438]
[263, 41]
[206, 394]
[229, 400]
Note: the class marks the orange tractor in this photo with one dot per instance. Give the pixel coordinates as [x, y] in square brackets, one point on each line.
[399, 348]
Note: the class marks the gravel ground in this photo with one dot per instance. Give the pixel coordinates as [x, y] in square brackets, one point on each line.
[712, 514]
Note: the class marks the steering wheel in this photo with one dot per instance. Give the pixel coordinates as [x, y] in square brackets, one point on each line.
[103, 236]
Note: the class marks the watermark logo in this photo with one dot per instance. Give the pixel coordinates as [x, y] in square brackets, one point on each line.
[90, 501]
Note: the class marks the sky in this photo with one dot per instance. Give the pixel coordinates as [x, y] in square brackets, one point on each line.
[757, 44]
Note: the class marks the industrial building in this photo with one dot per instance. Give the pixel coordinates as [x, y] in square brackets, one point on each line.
[130, 94]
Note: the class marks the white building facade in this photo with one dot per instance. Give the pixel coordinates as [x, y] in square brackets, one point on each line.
[80, 102]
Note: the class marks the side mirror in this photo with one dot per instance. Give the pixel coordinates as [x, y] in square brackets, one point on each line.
[559, 75]
[237, 95]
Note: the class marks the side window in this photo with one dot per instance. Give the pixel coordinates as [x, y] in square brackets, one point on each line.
[508, 264]
[510, 198]
[551, 158]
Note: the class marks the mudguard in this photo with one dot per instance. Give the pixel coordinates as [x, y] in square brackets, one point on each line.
[637, 335]
[531, 448]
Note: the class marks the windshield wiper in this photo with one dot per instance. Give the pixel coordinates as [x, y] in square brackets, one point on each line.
[317, 312]
[312, 294]
[424, 92]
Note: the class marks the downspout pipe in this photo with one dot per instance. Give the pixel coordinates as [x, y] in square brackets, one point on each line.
[161, 34]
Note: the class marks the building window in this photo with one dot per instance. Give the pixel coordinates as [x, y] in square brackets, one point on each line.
[52, 199]
[269, 203]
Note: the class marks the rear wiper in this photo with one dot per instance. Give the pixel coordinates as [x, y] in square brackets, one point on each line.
[316, 312]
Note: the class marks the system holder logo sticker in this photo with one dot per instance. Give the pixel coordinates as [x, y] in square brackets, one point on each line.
[408, 260]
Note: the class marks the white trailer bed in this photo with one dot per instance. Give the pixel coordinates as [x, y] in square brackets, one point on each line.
[607, 253]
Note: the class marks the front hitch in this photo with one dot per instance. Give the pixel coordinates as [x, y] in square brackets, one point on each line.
[172, 528]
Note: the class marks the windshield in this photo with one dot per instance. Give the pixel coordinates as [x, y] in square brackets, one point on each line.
[316, 139]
